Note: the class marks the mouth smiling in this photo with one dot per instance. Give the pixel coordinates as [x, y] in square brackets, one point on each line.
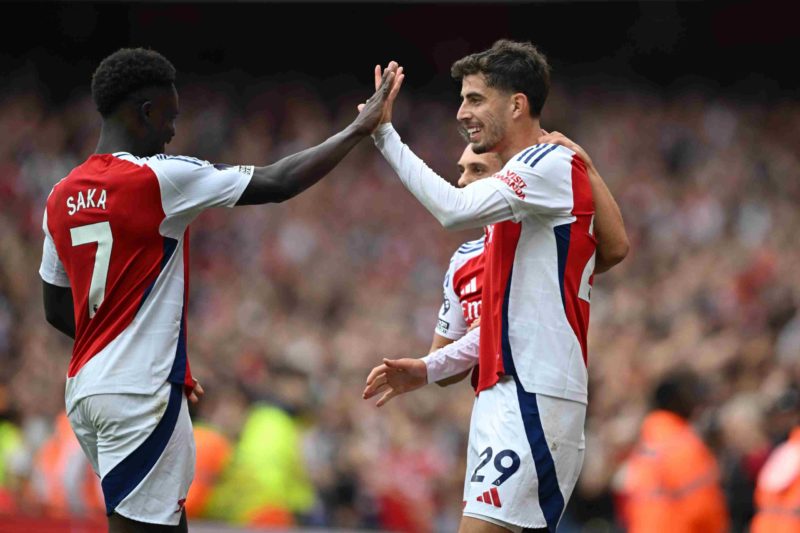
[473, 131]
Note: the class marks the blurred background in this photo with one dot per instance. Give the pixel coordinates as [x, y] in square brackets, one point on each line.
[689, 110]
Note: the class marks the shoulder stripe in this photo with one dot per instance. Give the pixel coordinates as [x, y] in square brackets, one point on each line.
[472, 243]
[464, 249]
[533, 154]
[543, 154]
[527, 151]
[469, 250]
[192, 160]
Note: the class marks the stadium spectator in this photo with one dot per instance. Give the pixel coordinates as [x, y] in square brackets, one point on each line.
[671, 480]
[777, 493]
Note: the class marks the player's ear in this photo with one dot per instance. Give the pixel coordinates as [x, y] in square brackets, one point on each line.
[144, 110]
[519, 105]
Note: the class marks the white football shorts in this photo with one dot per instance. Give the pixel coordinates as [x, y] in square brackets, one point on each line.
[142, 447]
[524, 456]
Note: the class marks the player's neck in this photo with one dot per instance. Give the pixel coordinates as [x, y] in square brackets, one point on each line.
[114, 138]
[520, 135]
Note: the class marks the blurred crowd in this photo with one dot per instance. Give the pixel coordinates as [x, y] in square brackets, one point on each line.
[292, 304]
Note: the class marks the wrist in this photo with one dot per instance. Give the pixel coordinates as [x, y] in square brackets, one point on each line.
[426, 361]
[383, 129]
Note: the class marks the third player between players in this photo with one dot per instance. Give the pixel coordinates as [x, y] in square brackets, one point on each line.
[526, 433]
[463, 281]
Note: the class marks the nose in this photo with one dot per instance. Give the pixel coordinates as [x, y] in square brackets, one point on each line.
[462, 180]
[462, 114]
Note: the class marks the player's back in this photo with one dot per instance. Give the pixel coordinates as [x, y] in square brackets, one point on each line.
[105, 219]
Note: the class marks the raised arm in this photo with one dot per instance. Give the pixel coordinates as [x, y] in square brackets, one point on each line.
[476, 205]
[293, 174]
[609, 229]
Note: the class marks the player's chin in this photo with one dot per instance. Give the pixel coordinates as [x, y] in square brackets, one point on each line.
[480, 147]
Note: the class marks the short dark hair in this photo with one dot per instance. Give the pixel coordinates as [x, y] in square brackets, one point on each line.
[680, 391]
[510, 66]
[126, 71]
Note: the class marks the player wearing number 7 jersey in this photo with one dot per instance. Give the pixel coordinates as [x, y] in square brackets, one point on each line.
[116, 272]
[526, 433]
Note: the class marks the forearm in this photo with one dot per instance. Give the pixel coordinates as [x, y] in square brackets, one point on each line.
[609, 229]
[293, 174]
[58, 309]
[471, 207]
[453, 358]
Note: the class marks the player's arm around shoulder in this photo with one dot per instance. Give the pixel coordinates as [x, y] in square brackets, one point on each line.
[609, 229]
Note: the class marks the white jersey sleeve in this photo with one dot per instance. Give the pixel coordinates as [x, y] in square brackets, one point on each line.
[189, 184]
[537, 180]
[451, 324]
[476, 205]
[51, 270]
[454, 358]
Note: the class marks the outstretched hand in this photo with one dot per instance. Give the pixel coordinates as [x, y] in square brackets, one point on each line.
[395, 376]
[559, 138]
[396, 83]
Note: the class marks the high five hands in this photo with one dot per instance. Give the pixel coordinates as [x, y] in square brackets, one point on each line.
[394, 76]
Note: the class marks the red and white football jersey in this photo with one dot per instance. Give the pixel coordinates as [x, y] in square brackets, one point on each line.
[463, 282]
[116, 232]
[538, 264]
[538, 273]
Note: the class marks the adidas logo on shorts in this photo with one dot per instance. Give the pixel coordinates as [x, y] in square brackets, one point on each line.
[492, 497]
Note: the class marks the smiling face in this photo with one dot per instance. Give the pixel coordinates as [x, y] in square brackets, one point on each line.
[473, 167]
[484, 113]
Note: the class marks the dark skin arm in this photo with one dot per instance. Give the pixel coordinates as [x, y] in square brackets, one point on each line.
[58, 308]
[293, 174]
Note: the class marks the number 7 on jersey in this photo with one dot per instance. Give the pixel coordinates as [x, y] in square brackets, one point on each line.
[101, 234]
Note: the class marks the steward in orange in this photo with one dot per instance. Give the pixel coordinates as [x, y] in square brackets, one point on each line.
[778, 490]
[670, 483]
[213, 452]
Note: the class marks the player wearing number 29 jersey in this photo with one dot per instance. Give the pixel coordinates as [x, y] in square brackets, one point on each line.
[526, 433]
[537, 262]
[117, 232]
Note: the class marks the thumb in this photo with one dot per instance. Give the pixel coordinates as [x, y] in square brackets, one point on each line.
[360, 107]
[392, 363]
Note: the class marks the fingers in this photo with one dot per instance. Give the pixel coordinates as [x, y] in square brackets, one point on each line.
[372, 390]
[388, 75]
[375, 372]
[386, 84]
[360, 107]
[378, 77]
[397, 84]
[394, 364]
[391, 393]
[378, 384]
[197, 392]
